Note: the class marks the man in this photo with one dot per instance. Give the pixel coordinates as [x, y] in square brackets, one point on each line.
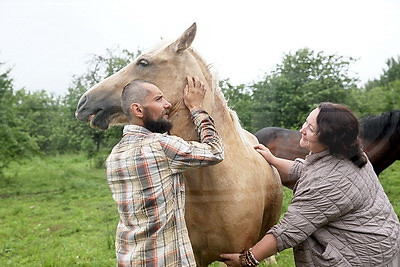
[144, 172]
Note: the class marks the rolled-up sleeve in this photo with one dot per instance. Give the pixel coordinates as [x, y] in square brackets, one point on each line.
[184, 155]
[296, 169]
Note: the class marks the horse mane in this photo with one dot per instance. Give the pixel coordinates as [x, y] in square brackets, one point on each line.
[375, 127]
[210, 72]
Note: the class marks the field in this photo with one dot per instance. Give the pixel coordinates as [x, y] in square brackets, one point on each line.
[58, 211]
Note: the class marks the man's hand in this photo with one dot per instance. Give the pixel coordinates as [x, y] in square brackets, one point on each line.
[194, 93]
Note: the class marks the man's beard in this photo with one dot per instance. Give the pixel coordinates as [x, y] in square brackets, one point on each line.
[160, 125]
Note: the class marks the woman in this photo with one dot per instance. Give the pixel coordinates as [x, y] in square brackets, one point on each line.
[339, 214]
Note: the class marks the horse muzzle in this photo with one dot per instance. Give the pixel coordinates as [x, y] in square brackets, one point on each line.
[98, 118]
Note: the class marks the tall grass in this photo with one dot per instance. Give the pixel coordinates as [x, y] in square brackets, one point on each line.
[58, 211]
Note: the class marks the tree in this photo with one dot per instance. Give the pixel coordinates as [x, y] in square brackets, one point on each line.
[15, 141]
[240, 100]
[389, 75]
[41, 112]
[382, 94]
[303, 80]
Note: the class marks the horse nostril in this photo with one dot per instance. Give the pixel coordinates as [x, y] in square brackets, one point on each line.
[82, 102]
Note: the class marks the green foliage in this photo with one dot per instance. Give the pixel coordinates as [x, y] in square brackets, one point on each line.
[379, 99]
[16, 143]
[303, 80]
[391, 74]
[240, 100]
[381, 94]
[41, 113]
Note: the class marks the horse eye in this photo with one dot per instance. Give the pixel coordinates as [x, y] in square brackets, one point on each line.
[143, 63]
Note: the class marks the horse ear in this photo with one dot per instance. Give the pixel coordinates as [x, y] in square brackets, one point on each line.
[186, 39]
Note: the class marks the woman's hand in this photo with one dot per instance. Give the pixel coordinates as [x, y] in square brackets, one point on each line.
[265, 152]
[231, 259]
[283, 165]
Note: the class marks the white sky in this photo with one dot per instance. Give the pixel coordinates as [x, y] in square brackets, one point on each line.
[46, 42]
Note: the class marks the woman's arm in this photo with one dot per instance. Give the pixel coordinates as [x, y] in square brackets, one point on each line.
[283, 165]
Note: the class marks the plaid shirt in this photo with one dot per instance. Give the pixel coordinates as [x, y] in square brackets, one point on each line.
[144, 172]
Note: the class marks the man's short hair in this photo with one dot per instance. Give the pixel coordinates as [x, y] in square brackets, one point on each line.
[134, 92]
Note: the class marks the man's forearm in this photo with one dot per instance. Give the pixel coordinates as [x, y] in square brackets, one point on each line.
[206, 130]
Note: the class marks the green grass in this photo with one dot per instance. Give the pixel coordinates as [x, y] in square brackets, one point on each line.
[390, 180]
[58, 211]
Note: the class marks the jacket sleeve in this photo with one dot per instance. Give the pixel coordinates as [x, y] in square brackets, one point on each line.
[317, 202]
[183, 155]
[296, 169]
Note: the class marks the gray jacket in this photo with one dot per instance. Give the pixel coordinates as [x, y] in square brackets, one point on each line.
[339, 215]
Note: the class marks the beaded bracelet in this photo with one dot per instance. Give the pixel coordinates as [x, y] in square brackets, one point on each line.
[247, 259]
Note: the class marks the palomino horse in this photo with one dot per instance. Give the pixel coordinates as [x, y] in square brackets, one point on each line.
[379, 135]
[229, 205]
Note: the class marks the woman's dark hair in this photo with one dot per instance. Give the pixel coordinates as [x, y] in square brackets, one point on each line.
[338, 129]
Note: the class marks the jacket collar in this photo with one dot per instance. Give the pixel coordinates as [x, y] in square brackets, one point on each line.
[313, 157]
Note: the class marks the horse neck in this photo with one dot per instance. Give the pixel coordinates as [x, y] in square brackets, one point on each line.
[215, 104]
[386, 125]
[218, 107]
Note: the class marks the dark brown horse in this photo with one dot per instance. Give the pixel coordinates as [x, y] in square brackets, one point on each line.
[379, 135]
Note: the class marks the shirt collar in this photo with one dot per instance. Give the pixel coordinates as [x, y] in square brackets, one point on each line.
[135, 129]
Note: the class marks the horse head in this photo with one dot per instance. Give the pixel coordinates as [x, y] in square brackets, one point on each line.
[166, 66]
